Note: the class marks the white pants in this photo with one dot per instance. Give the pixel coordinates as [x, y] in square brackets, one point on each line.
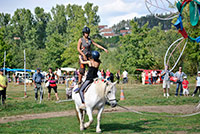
[166, 84]
[185, 91]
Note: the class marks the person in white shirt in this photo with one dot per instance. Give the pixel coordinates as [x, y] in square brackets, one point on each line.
[58, 71]
[99, 74]
[197, 85]
[143, 78]
[125, 77]
[154, 76]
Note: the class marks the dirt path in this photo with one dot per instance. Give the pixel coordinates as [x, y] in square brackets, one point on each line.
[183, 109]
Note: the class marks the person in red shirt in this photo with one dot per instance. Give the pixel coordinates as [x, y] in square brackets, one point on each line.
[108, 74]
[185, 86]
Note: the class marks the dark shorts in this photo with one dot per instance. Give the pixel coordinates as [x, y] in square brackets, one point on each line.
[54, 88]
[82, 68]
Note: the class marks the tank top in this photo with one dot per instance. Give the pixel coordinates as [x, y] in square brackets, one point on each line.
[92, 73]
[86, 46]
[52, 80]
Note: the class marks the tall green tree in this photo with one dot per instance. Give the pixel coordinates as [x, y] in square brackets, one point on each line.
[53, 51]
[77, 19]
[134, 52]
[41, 20]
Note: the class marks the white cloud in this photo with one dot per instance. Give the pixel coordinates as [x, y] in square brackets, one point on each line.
[117, 19]
[120, 6]
[110, 11]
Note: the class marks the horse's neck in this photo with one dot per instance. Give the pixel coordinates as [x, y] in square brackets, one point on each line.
[98, 89]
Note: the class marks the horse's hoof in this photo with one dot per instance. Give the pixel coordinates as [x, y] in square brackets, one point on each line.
[82, 128]
[98, 131]
[86, 125]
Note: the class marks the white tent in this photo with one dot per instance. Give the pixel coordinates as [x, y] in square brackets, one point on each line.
[68, 69]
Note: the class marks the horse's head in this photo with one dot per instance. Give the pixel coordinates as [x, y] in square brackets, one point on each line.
[110, 93]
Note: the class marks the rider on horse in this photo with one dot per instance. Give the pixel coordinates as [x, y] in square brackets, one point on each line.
[93, 64]
[84, 45]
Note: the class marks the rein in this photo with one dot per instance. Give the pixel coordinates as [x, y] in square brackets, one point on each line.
[134, 111]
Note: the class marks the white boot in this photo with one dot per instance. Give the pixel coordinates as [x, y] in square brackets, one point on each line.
[167, 95]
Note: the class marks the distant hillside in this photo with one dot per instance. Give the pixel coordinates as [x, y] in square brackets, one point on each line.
[124, 24]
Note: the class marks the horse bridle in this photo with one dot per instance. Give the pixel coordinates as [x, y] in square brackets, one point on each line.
[109, 100]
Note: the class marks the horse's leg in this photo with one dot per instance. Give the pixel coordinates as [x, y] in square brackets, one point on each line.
[80, 116]
[98, 130]
[89, 113]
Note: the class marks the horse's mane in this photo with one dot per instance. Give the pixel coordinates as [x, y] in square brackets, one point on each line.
[100, 87]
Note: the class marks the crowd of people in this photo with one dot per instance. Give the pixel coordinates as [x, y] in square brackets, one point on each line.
[180, 78]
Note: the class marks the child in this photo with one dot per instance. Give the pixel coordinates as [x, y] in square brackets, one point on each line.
[185, 86]
[197, 84]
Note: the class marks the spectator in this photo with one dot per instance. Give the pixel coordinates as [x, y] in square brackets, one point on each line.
[111, 77]
[108, 74]
[3, 86]
[14, 78]
[149, 77]
[185, 86]
[143, 78]
[99, 74]
[52, 83]
[154, 76]
[59, 73]
[64, 74]
[166, 81]
[197, 85]
[118, 76]
[125, 77]
[179, 75]
[76, 75]
[37, 81]
[103, 74]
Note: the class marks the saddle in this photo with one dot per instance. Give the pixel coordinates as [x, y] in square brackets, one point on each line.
[77, 89]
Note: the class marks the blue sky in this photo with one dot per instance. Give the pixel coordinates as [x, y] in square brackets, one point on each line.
[110, 11]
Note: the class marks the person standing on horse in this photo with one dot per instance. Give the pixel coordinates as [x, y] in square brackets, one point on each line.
[83, 47]
[93, 64]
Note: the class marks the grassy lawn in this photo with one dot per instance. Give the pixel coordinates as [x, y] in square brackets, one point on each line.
[110, 123]
[135, 94]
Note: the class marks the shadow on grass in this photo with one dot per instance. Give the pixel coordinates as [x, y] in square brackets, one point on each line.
[135, 127]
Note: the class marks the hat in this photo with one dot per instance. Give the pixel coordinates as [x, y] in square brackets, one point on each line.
[38, 68]
[185, 77]
[198, 72]
[1, 70]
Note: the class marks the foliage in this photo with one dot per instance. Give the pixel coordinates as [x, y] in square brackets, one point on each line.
[133, 52]
[112, 123]
[50, 39]
[150, 19]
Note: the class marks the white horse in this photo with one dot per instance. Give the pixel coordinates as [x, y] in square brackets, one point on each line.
[95, 97]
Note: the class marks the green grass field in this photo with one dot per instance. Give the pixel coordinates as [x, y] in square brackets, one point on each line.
[110, 123]
[135, 94]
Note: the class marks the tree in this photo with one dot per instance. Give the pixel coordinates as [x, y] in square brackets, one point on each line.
[77, 19]
[54, 50]
[41, 20]
[134, 52]
[3, 47]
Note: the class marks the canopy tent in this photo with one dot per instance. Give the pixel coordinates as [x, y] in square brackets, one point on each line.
[68, 69]
[20, 70]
